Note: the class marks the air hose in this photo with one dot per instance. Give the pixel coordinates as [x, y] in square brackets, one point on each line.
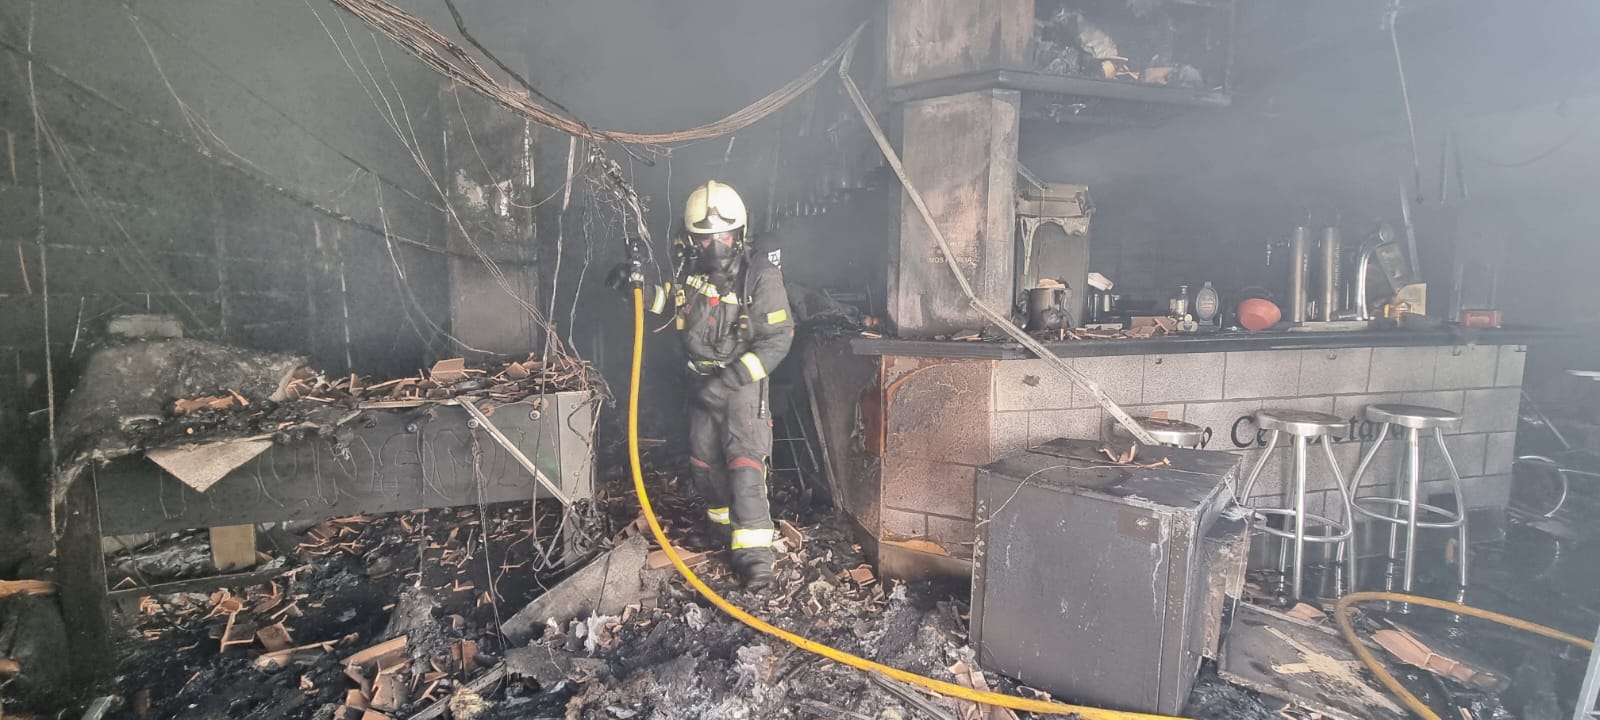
[1341, 612]
[811, 646]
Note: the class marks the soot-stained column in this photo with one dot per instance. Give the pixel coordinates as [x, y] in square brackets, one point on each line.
[960, 151]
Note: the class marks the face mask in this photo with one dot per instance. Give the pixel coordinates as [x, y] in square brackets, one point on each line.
[717, 253]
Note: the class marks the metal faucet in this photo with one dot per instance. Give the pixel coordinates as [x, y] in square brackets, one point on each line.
[1382, 237]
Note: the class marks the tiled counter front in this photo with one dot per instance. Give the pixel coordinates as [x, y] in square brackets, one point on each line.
[1220, 391]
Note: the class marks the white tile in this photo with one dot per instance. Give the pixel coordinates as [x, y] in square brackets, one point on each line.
[1334, 372]
[1030, 385]
[904, 524]
[1120, 376]
[1400, 369]
[1466, 450]
[1009, 433]
[1262, 374]
[1316, 403]
[1047, 425]
[1500, 454]
[1512, 360]
[1491, 410]
[1458, 367]
[1183, 377]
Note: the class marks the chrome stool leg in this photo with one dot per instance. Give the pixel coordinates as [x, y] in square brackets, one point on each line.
[1413, 489]
[1299, 511]
[1255, 470]
[1461, 506]
[1353, 558]
[1397, 489]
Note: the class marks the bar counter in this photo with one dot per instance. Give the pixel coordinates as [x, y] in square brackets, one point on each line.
[929, 413]
[1206, 342]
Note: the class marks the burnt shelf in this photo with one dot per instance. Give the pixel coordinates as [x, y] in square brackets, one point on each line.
[1028, 81]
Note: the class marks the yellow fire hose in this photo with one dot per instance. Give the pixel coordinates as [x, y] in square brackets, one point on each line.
[937, 686]
[1342, 613]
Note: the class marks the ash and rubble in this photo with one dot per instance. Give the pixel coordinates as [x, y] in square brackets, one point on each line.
[301, 644]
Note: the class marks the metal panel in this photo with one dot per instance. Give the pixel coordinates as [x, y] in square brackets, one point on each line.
[1088, 581]
[384, 461]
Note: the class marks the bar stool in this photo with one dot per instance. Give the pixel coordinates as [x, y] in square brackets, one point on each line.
[1172, 433]
[1303, 427]
[1415, 419]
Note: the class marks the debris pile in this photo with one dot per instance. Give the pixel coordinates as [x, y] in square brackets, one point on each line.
[373, 614]
[311, 398]
[1068, 42]
[395, 616]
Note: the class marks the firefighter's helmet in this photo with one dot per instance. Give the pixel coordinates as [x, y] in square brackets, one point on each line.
[714, 208]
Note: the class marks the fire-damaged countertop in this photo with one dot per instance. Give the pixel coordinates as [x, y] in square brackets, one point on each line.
[1205, 343]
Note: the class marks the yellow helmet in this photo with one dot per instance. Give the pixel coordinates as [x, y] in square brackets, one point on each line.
[714, 207]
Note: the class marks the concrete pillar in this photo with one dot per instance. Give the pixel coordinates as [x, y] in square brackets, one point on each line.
[960, 151]
[933, 39]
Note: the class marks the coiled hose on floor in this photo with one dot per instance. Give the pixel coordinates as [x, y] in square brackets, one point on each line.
[1341, 612]
[926, 683]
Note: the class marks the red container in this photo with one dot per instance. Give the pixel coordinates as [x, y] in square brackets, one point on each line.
[1257, 314]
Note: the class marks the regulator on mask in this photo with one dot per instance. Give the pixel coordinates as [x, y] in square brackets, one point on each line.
[716, 254]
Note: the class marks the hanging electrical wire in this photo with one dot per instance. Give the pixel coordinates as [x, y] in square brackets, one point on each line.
[256, 177]
[445, 56]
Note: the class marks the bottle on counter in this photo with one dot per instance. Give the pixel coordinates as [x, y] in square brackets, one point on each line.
[1178, 305]
[1206, 305]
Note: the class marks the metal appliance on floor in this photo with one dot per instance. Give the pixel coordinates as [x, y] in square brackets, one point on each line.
[1105, 582]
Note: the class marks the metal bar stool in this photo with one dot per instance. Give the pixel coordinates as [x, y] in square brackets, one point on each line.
[1173, 433]
[1404, 509]
[1303, 427]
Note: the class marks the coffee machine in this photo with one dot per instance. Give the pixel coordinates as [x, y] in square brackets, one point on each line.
[1053, 240]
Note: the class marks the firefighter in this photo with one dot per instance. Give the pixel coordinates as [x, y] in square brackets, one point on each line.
[732, 312]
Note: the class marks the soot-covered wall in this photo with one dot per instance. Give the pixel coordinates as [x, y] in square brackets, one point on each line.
[183, 142]
[163, 127]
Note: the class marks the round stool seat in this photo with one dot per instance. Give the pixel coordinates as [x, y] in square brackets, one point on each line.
[1166, 432]
[1300, 423]
[1417, 417]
